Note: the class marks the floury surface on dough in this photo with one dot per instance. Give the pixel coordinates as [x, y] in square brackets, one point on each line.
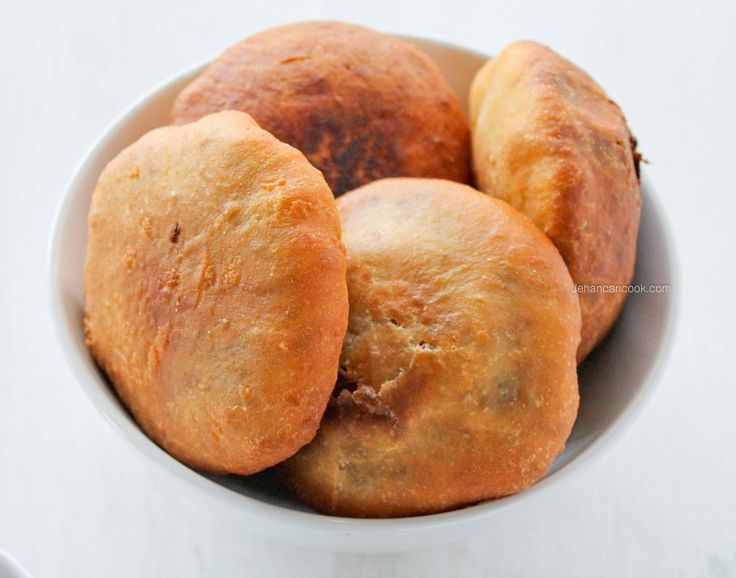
[215, 291]
[549, 141]
[458, 379]
[360, 104]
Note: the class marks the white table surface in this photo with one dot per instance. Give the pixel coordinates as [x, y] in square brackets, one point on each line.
[76, 501]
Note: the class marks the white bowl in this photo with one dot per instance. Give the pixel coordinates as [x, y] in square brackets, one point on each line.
[614, 381]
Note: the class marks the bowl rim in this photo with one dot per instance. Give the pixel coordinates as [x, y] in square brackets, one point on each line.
[311, 528]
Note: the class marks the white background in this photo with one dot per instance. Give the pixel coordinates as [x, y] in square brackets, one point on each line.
[76, 501]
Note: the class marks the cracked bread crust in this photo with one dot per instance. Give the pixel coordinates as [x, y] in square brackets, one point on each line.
[361, 105]
[549, 141]
[458, 379]
[215, 291]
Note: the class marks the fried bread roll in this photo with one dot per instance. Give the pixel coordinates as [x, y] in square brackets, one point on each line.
[215, 291]
[458, 375]
[359, 104]
[549, 141]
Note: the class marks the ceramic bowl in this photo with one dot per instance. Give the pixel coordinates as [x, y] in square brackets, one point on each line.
[614, 381]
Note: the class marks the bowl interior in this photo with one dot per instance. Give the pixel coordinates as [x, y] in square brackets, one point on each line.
[612, 380]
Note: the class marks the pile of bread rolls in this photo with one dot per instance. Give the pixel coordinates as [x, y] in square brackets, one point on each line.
[299, 273]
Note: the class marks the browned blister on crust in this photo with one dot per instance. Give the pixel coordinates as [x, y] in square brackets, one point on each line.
[548, 140]
[458, 378]
[215, 291]
[359, 104]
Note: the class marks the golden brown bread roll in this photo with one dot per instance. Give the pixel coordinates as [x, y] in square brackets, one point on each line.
[215, 291]
[458, 375]
[359, 104]
[548, 140]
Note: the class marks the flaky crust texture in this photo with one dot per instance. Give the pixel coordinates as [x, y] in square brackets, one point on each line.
[458, 375]
[215, 291]
[359, 104]
[548, 140]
